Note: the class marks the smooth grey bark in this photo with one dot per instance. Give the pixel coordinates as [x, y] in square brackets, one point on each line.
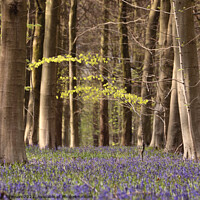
[95, 133]
[73, 102]
[104, 125]
[126, 137]
[174, 138]
[65, 124]
[187, 77]
[47, 117]
[144, 130]
[161, 113]
[32, 125]
[12, 81]
[59, 99]
[64, 69]
[59, 109]
[29, 46]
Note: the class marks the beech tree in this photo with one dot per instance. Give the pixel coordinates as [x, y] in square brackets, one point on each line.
[186, 63]
[12, 80]
[163, 71]
[29, 45]
[104, 127]
[126, 137]
[161, 113]
[174, 137]
[73, 104]
[144, 130]
[96, 120]
[64, 70]
[47, 119]
[32, 123]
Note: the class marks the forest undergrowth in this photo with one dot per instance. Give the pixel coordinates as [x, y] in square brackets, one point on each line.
[100, 173]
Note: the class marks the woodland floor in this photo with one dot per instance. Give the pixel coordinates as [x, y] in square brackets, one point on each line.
[101, 173]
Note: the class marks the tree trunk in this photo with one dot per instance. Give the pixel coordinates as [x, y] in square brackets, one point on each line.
[0, 26]
[29, 46]
[95, 134]
[12, 81]
[174, 138]
[137, 65]
[73, 102]
[64, 70]
[104, 126]
[59, 100]
[161, 113]
[65, 124]
[32, 125]
[115, 122]
[188, 77]
[144, 130]
[28, 140]
[59, 109]
[47, 122]
[126, 137]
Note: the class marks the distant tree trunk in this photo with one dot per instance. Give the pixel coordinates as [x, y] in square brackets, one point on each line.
[66, 119]
[126, 137]
[144, 130]
[74, 135]
[137, 65]
[28, 140]
[59, 100]
[65, 124]
[161, 113]
[32, 125]
[64, 17]
[104, 127]
[186, 61]
[47, 122]
[59, 109]
[12, 81]
[115, 122]
[95, 124]
[29, 46]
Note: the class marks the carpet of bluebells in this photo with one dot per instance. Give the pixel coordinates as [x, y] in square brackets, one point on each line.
[101, 173]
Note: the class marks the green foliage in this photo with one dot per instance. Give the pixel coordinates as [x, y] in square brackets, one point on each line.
[110, 89]
[87, 90]
[114, 144]
[86, 124]
[114, 121]
[27, 88]
[88, 59]
[31, 26]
